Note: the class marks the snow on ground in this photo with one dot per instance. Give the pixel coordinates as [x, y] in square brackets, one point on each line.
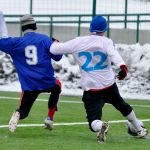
[136, 85]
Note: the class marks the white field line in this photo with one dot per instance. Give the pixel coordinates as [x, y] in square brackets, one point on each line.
[63, 101]
[41, 100]
[68, 124]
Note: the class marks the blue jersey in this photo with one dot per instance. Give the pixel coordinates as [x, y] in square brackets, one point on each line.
[32, 59]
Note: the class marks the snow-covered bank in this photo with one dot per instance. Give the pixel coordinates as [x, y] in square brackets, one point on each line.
[135, 86]
[15, 87]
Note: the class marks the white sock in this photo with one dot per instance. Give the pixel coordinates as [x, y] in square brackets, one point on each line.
[132, 118]
[96, 125]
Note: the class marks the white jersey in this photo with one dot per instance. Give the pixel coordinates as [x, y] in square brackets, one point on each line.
[94, 54]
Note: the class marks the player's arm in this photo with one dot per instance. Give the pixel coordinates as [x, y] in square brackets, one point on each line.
[117, 60]
[49, 43]
[62, 48]
[55, 57]
[5, 42]
[3, 27]
[6, 45]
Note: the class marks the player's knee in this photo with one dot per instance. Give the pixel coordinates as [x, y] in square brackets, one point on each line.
[58, 83]
[124, 108]
[57, 89]
[58, 86]
[23, 116]
[127, 110]
[95, 125]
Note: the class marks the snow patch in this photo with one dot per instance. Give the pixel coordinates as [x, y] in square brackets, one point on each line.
[135, 86]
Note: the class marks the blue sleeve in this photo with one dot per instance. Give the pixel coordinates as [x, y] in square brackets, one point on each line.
[6, 45]
[55, 57]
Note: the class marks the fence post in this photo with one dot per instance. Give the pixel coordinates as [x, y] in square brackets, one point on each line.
[31, 4]
[94, 8]
[137, 30]
[126, 11]
[20, 29]
[108, 31]
[79, 26]
[51, 27]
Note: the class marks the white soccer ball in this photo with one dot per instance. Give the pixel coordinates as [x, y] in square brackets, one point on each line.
[132, 128]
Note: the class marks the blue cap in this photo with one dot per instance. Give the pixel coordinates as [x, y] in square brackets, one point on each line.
[98, 24]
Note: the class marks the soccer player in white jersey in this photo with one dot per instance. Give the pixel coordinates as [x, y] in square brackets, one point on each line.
[32, 60]
[94, 54]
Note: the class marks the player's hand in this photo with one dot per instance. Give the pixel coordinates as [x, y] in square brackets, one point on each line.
[54, 40]
[123, 72]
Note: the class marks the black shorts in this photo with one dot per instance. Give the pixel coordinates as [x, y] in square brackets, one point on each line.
[28, 98]
[95, 100]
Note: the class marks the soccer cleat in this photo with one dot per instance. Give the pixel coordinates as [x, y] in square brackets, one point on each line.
[14, 121]
[131, 132]
[49, 123]
[136, 133]
[101, 136]
[142, 133]
[139, 134]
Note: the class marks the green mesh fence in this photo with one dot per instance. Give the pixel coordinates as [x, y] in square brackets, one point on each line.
[15, 6]
[129, 18]
[74, 6]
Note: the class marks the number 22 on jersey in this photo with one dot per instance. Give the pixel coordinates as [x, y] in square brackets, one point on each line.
[99, 64]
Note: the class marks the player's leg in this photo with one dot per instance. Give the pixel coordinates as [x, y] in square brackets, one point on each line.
[126, 110]
[27, 99]
[52, 104]
[93, 103]
[26, 103]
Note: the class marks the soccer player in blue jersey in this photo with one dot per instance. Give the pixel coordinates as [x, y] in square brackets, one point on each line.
[32, 59]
